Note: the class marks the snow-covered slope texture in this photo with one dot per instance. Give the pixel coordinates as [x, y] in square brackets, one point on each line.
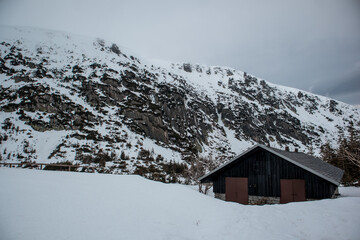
[61, 205]
[68, 98]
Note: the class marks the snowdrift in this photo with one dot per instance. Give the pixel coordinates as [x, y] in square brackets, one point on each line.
[63, 205]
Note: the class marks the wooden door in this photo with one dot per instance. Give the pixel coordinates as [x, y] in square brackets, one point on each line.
[236, 190]
[299, 190]
[286, 191]
[292, 190]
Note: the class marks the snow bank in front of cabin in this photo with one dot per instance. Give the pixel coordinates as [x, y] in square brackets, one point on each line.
[349, 191]
[63, 205]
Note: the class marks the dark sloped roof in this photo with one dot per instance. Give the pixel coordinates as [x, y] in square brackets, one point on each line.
[305, 161]
[320, 168]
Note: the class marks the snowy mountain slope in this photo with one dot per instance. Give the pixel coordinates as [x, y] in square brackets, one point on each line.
[62, 205]
[64, 97]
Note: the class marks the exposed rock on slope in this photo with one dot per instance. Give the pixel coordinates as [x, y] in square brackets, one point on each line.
[67, 98]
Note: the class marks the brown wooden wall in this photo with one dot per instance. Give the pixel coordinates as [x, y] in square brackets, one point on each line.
[264, 171]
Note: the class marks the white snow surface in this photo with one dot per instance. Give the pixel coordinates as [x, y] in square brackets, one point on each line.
[41, 205]
[211, 83]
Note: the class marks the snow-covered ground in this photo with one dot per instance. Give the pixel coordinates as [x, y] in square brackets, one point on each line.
[47, 205]
[318, 119]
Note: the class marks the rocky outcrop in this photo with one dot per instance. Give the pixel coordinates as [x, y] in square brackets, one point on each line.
[106, 104]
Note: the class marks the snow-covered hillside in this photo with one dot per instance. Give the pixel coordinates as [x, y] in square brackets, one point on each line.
[64, 205]
[64, 97]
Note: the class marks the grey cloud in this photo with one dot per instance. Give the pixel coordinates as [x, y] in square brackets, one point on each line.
[351, 84]
[345, 88]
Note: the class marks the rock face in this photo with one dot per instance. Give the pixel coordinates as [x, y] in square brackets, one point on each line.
[66, 98]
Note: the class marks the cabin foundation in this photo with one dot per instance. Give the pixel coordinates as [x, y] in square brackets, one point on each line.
[220, 196]
[259, 200]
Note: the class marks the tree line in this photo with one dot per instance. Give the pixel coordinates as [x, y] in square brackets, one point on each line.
[346, 156]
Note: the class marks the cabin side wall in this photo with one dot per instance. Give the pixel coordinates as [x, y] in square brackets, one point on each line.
[264, 171]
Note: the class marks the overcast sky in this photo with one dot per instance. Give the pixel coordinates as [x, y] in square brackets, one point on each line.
[312, 45]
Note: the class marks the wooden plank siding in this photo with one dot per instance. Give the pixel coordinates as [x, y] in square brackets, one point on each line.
[264, 171]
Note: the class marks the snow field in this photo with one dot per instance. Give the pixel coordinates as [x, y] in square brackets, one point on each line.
[40, 205]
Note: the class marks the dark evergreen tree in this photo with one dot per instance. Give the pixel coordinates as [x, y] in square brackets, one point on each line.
[346, 156]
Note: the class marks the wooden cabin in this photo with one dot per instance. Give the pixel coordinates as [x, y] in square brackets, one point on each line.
[263, 175]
